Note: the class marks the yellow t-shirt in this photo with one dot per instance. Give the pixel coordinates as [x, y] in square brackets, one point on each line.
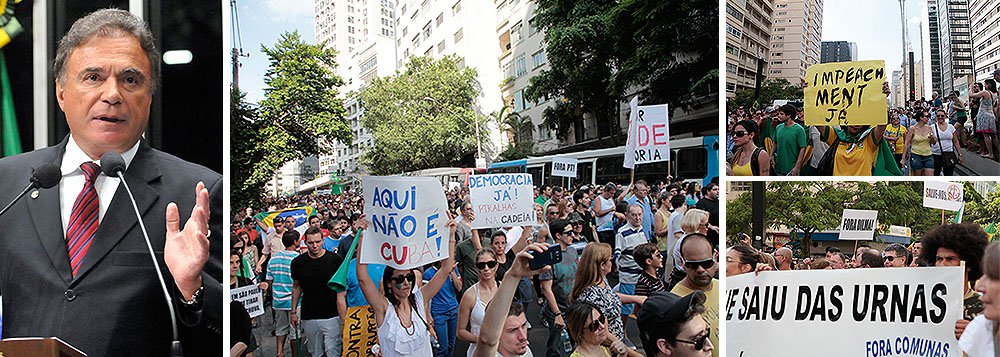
[603, 349]
[711, 314]
[745, 170]
[854, 159]
[900, 133]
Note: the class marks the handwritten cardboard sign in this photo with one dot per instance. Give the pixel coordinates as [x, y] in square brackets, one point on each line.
[845, 93]
[408, 217]
[502, 200]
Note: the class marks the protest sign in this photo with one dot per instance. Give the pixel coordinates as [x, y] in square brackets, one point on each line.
[408, 218]
[251, 298]
[648, 134]
[564, 167]
[943, 195]
[858, 224]
[845, 93]
[502, 200]
[857, 312]
[360, 332]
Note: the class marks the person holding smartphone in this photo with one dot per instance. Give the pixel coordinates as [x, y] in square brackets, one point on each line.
[556, 284]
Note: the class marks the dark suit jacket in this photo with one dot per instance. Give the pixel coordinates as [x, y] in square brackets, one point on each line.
[114, 306]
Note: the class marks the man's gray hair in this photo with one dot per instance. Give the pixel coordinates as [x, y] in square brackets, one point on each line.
[107, 23]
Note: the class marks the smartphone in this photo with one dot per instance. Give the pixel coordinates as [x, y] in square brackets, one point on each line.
[552, 256]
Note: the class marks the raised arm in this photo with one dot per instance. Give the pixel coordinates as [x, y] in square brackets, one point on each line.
[434, 285]
[496, 311]
[523, 241]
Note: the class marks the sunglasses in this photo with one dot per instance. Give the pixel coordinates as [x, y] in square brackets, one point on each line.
[556, 212]
[482, 265]
[704, 264]
[596, 324]
[739, 134]
[889, 258]
[398, 279]
[699, 344]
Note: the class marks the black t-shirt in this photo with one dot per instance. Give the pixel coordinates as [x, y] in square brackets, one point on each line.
[318, 300]
[588, 226]
[241, 328]
[503, 268]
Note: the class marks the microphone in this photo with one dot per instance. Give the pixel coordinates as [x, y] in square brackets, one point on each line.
[45, 176]
[113, 165]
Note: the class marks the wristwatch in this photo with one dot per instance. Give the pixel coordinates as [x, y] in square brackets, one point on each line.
[195, 298]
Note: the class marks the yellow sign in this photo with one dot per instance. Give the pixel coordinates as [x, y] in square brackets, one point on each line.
[360, 331]
[845, 93]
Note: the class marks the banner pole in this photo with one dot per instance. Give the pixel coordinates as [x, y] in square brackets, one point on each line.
[942, 216]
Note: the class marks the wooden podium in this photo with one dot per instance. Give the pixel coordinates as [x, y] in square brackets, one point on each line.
[37, 346]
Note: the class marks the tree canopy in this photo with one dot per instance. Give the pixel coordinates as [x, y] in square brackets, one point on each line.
[423, 117]
[770, 90]
[300, 110]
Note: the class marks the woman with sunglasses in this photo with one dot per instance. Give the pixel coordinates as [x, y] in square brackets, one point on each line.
[591, 286]
[473, 306]
[917, 146]
[748, 159]
[947, 145]
[400, 311]
[589, 328]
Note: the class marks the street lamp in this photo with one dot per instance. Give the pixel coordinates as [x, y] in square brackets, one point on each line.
[902, 21]
[479, 147]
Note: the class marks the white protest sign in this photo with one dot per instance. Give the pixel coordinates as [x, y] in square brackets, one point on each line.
[564, 167]
[943, 195]
[648, 134]
[251, 298]
[857, 312]
[408, 218]
[858, 224]
[502, 200]
[900, 231]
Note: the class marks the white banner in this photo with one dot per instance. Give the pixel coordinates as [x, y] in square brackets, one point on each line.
[900, 231]
[408, 218]
[856, 312]
[943, 195]
[648, 134]
[564, 167]
[251, 297]
[502, 200]
[858, 224]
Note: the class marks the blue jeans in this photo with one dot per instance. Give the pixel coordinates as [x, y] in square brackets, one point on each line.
[446, 327]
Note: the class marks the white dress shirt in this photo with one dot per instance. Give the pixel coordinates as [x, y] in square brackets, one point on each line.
[73, 180]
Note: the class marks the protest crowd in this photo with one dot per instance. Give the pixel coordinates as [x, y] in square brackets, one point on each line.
[924, 137]
[978, 329]
[642, 252]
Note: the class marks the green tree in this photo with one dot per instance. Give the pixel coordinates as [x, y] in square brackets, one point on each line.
[423, 117]
[807, 207]
[518, 129]
[981, 209]
[770, 90]
[244, 151]
[739, 217]
[600, 50]
[300, 110]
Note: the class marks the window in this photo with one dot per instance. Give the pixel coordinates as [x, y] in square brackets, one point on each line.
[532, 29]
[456, 8]
[538, 59]
[416, 41]
[543, 132]
[350, 29]
[427, 30]
[458, 35]
[515, 33]
[519, 100]
[440, 19]
[441, 46]
[522, 65]
[405, 31]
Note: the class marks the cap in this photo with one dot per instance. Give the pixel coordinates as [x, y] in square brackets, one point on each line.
[574, 217]
[665, 307]
[996, 72]
[769, 110]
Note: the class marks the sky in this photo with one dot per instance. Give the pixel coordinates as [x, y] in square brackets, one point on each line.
[875, 26]
[263, 22]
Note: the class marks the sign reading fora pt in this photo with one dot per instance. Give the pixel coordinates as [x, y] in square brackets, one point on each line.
[845, 93]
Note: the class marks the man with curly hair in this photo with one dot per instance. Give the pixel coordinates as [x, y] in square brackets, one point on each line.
[951, 244]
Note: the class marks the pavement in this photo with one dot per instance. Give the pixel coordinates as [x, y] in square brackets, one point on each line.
[975, 165]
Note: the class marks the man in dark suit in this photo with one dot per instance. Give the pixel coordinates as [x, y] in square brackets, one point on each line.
[73, 261]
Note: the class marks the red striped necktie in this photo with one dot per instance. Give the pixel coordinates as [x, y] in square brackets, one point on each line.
[83, 221]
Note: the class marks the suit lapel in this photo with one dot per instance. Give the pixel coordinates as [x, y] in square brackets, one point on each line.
[44, 212]
[120, 216]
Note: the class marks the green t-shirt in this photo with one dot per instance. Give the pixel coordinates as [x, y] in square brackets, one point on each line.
[790, 140]
[541, 200]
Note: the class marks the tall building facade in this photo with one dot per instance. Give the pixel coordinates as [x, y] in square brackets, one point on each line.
[934, 42]
[291, 175]
[795, 44]
[956, 44]
[985, 37]
[896, 99]
[748, 40]
[839, 51]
